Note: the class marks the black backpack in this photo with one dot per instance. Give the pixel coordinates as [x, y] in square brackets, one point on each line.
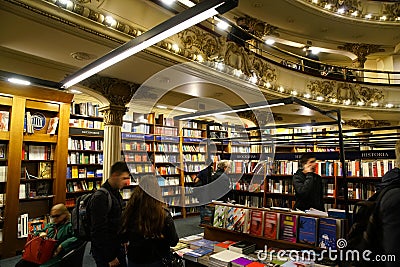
[80, 216]
[365, 232]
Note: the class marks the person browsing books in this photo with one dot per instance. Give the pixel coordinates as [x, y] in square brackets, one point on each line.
[148, 226]
[308, 185]
[60, 228]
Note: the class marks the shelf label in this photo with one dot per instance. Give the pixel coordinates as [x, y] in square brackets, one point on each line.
[133, 136]
[370, 154]
[193, 140]
[167, 138]
[82, 131]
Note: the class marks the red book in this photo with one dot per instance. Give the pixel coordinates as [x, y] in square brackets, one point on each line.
[257, 222]
[271, 223]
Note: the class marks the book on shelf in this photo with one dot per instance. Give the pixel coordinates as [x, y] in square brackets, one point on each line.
[257, 222]
[288, 227]
[3, 151]
[330, 230]
[52, 127]
[2, 199]
[3, 173]
[4, 120]
[220, 216]
[308, 230]
[271, 224]
[44, 170]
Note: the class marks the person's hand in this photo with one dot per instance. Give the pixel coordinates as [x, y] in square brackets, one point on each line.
[114, 263]
[58, 250]
[308, 168]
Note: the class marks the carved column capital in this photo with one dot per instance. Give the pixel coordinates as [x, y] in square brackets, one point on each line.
[255, 26]
[361, 51]
[113, 114]
[118, 92]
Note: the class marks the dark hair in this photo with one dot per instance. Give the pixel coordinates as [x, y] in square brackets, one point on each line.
[145, 213]
[119, 167]
[305, 157]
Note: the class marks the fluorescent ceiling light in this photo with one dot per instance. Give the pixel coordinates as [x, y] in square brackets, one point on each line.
[270, 41]
[178, 23]
[161, 106]
[190, 110]
[226, 111]
[18, 81]
[187, 3]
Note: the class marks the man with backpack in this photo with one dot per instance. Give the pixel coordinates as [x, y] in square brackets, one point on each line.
[107, 247]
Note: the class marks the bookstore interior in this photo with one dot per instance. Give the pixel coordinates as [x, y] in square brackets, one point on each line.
[187, 101]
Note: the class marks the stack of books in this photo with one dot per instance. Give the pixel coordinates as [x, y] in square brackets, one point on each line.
[197, 253]
[241, 262]
[243, 247]
[223, 258]
[203, 243]
[223, 245]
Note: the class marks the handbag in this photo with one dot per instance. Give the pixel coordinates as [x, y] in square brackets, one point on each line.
[39, 249]
[172, 260]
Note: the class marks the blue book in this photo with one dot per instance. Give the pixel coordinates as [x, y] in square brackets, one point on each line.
[203, 243]
[197, 253]
[327, 233]
[308, 230]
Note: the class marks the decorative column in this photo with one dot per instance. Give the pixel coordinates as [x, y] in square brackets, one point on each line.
[113, 115]
[119, 93]
[361, 51]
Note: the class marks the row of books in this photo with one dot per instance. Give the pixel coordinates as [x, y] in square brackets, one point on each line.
[192, 133]
[129, 127]
[167, 181]
[193, 167]
[194, 157]
[134, 145]
[78, 186]
[85, 109]
[166, 131]
[166, 147]
[4, 120]
[81, 144]
[2, 199]
[3, 174]
[37, 152]
[77, 172]
[194, 148]
[167, 170]
[86, 124]
[32, 190]
[166, 158]
[375, 168]
[140, 168]
[130, 157]
[85, 158]
[292, 227]
[191, 124]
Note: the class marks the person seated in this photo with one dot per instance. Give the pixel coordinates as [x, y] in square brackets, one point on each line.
[60, 228]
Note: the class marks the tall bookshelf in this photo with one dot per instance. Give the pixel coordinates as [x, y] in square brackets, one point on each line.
[85, 151]
[36, 160]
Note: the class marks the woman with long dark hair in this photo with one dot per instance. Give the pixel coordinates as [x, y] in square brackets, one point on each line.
[148, 225]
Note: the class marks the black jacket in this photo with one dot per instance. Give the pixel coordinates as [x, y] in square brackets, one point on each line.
[106, 224]
[390, 216]
[308, 188]
[146, 250]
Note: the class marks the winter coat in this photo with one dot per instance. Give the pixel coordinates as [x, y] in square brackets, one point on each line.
[308, 189]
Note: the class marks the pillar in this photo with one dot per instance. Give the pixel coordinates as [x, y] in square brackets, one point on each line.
[113, 115]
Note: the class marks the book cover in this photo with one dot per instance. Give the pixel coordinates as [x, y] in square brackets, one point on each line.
[219, 216]
[271, 225]
[239, 215]
[74, 172]
[52, 127]
[3, 151]
[257, 222]
[288, 227]
[203, 243]
[4, 120]
[239, 262]
[229, 223]
[308, 230]
[44, 170]
[327, 233]
[197, 253]
[223, 245]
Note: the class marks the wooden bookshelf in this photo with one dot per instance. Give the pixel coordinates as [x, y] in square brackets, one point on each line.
[53, 103]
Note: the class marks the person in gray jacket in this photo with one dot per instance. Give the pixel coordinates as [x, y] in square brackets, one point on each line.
[308, 185]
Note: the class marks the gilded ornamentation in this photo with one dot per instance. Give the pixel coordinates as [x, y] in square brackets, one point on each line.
[113, 114]
[195, 41]
[361, 51]
[365, 124]
[118, 92]
[392, 10]
[255, 26]
[345, 91]
[351, 5]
